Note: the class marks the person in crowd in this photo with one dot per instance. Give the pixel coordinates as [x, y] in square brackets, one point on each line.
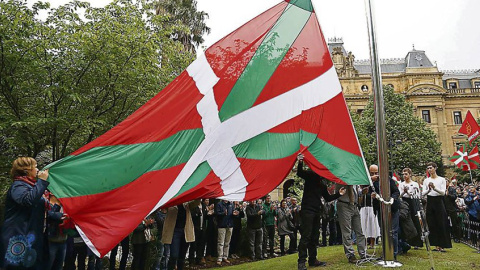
[24, 217]
[94, 262]
[269, 226]
[194, 255]
[295, 210]
[349, 219]
[434, 187]
[178, 231]
[472, 200]
[409, 192]
[141, 239]
[76, 252]
[395, 194]
[224, 212]
[451, 207]
[211, 232]
[238, 215]
[57, 239]
[284, 224]
[314, 190]
[201, 239]
[125, 244]
[254, 213]
[368, 219]
[161, 261]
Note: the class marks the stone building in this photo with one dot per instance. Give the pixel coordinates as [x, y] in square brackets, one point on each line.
[442, 98]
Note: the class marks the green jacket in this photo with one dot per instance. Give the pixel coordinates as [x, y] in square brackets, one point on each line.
[269, 216]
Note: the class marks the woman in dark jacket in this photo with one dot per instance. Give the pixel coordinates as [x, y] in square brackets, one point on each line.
[284, 224]
[22, 231]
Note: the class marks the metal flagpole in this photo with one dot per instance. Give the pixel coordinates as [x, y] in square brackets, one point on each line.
[387, 239]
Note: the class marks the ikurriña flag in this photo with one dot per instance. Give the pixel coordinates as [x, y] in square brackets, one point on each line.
[460, 159]
[473, 158]
[470, 128]
[230, 126]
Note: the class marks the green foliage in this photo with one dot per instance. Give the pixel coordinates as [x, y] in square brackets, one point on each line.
[184, 12]
[69, 78]
[411, 143]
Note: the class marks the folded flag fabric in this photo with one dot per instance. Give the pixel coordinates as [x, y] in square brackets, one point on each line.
[230, 126]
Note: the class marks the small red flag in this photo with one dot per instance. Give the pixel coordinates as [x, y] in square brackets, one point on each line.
[470, 127]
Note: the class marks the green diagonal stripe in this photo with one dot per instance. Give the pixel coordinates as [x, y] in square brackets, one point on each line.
[111, 167]
[265, 61]
[198, 175]
[305, 4]
[346, 166]
[268, 146]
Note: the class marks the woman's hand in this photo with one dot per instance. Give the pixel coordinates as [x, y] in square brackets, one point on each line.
[43, 175]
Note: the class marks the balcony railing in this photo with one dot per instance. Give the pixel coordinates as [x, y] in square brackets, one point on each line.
[463, 90]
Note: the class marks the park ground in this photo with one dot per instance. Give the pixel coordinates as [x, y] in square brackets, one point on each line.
[460, 256]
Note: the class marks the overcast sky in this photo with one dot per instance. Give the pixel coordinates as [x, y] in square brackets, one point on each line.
[448, 31]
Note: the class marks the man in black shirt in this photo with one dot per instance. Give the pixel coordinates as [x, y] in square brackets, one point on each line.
[313, 192]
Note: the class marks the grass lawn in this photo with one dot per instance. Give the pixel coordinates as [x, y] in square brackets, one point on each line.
[459, 257]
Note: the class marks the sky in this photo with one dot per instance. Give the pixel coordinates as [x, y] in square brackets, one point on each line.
[446, 30]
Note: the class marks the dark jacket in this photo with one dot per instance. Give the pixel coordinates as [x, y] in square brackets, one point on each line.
[237, 220]
[313, 190]
[284, 221]
[254, 220]
[54, 219]
[408, 229]
[24, 223]
[224, 212]
[394, 193]
[138, 235]
[473, 206]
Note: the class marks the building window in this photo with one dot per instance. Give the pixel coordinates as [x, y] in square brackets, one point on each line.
[452, 85]
[457, 118]
[426, 116]
[458, 145]
[477, 84]
[364, 88]
[390, 85]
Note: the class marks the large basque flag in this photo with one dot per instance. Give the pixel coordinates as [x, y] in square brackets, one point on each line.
[230, 126]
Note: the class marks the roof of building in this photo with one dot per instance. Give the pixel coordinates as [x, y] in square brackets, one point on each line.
[417, 58]
[394, 65]
[336, 43]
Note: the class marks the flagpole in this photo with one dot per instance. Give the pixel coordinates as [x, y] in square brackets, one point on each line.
[387, 237]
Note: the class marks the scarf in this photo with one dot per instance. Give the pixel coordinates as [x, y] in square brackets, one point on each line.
[27, 179]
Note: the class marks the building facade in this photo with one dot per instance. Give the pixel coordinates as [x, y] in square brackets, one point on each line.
[440, 98]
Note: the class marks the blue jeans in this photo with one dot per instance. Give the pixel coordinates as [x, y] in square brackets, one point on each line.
[395, 228]
[56, 255]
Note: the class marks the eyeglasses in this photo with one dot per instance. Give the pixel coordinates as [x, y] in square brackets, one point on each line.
[429, 167]
[373, 173]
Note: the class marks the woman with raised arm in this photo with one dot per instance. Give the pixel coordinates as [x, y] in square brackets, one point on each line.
[22, 231]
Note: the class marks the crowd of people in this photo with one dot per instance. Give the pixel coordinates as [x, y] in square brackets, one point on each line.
[37, 234]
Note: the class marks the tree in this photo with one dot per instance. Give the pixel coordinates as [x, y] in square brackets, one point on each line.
[411, 143]
[184, 12]
[68, 79]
